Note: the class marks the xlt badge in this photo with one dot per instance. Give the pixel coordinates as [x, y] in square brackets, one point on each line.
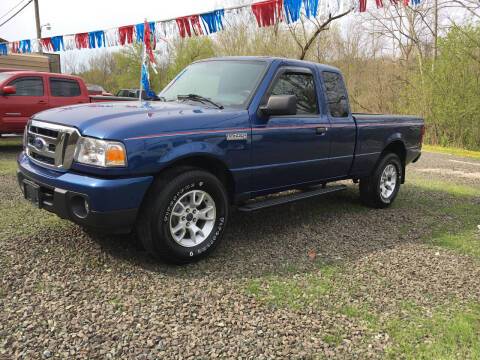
[237, 136]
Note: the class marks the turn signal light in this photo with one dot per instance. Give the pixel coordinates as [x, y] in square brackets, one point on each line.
[115, 156]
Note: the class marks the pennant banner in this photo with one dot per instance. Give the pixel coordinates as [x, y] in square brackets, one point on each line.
[212, 21]
[268, 12]
[263, 13]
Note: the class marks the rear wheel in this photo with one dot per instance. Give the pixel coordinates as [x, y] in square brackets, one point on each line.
[184, 215]
[380, 189]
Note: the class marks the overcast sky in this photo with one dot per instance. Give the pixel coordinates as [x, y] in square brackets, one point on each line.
[69, 16]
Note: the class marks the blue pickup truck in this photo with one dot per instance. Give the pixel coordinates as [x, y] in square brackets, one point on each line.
[226, 132]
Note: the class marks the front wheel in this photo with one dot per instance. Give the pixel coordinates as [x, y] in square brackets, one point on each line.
[380, 189]
[184, 216]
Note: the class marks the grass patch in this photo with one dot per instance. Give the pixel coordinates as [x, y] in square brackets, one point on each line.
[461, 233]
[452, 151]
[333, 339]
[350, 311]
[8, 167]
[449, 187]
[447, 332]
[466, 242]
[295, 292]
[11, 141]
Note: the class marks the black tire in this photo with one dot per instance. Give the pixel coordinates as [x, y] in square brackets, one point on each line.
[153, 224]
[370, 190]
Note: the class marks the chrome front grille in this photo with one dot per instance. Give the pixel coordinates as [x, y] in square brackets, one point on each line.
[51, 144]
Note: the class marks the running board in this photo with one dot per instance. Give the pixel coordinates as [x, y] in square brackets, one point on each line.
[290, 198]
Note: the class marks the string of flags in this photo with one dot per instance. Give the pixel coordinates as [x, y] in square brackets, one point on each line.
[263, 13]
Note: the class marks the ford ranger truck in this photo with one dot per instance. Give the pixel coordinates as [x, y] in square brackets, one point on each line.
[227, 132]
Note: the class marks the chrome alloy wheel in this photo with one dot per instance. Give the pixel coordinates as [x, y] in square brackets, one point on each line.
[193, 218]
[388, 181]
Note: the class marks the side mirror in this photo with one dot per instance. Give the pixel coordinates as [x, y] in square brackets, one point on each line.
[280, 105]
[9, 90]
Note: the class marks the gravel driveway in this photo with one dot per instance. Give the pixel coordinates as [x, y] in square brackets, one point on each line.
[65, 293]
[448, 167]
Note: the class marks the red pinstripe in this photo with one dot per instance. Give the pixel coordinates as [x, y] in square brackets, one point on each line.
[267, 128]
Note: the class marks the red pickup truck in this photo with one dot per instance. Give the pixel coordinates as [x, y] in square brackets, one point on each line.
[24, 93]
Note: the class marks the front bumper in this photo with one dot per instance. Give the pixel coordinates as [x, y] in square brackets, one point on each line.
[105, 204]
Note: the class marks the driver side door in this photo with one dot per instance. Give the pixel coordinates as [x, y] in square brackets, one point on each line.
[291, 149]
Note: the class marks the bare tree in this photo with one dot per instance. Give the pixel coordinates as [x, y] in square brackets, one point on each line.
[306, 31]
[472, 6]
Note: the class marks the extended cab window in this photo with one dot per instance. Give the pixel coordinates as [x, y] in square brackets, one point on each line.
[302, 86]
[28, 86]
[337, 101]
[64, 87]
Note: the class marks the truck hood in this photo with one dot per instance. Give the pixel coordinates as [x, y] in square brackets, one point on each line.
[122, 120]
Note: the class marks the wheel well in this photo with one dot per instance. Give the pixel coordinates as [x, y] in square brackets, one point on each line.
[397, 147]
[212, 165]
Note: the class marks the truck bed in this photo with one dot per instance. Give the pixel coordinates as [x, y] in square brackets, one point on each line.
[376, 131]
[384, 118]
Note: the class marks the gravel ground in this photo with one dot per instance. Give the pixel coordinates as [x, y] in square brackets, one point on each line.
[448, 167]
[65, 293]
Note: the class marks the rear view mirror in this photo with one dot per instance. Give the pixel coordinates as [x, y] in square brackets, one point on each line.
[280, 105]
[9, 90]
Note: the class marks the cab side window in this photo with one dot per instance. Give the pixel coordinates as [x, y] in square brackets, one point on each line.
[337, 101]
[28, 86]
[64, 87]
[302, 86]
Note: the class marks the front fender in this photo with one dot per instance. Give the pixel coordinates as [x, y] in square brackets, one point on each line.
[189, 150]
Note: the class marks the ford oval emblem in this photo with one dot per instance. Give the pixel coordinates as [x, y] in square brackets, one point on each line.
[39, 143]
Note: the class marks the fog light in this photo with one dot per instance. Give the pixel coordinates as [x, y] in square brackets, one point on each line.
[79, 206]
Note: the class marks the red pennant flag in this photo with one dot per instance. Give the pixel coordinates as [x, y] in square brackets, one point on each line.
[268, 12]
[47, 44]
[125, 34]
[363, 5]
[81, 41]
[148, 43]
[188, 23]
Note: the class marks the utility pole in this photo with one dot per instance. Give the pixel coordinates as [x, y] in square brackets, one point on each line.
[39, 29]
[435, 29]
[435, 33]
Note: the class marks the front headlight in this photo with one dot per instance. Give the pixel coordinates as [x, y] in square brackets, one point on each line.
[98, 152]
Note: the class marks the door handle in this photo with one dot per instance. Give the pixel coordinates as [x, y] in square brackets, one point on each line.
[42, 102]
[321, 130]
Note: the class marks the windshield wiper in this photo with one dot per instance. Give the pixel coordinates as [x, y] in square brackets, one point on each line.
[200, 98]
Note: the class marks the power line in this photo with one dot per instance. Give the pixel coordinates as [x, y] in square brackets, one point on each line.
[11, 17]
[13, 8]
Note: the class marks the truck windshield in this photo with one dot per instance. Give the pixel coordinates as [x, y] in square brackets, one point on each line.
[226, 82]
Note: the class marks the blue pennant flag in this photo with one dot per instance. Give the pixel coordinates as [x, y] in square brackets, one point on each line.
[3, 49]
[96, 39]
[212, 21]
[57, 42]
[292, 9]
[146, 82]
[311, 7]
[140, 28]
[24, 46]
